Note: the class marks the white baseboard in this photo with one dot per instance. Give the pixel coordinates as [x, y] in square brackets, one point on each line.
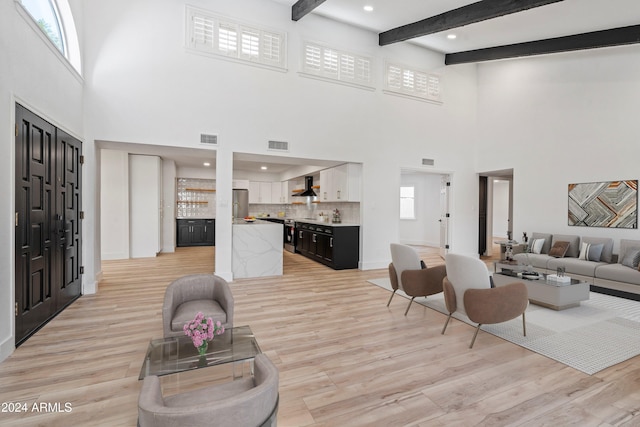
[7, 347]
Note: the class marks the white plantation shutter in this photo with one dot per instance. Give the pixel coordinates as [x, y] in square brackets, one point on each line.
[413, 83]
[347, 66]
[251, 44]
[227, 38]
[216, 35]
[313, 58]
[330, 62]
[407, 80]
[271, 50]
[394, 77]
[421, 80]
[337, 65]
[363, 70]
[433, 88]
[203, 32]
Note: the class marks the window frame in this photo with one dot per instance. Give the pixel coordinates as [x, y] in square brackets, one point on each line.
[337, 65]
[413, 204]
[70, 55]
[265, 40]
[408, 82]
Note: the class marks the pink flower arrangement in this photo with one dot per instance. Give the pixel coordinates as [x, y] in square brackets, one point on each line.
[201, 330]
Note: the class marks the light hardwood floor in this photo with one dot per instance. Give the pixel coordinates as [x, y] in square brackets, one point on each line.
[345, 359]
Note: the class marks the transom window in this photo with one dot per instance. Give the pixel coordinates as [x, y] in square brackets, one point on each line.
[46, 16]
[333, 64]
[413, 83]
[54, 19]
[211, 34]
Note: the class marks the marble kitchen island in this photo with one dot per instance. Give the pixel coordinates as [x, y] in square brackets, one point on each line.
[257, 249]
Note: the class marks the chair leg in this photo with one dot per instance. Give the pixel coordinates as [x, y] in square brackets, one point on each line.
[392, 294]
[475, 335]
[446, 323]
[407, 310]
[524, 326]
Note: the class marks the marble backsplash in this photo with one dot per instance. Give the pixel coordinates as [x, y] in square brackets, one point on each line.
[349, 211]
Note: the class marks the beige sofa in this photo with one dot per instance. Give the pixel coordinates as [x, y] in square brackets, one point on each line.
[608, 272]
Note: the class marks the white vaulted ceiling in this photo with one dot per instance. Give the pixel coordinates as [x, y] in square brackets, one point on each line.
[553, 20]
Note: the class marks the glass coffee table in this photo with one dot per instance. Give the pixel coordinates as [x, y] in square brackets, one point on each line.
[548, 293]
[177, 354]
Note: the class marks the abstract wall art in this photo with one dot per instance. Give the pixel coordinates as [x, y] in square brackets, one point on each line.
[611, 204]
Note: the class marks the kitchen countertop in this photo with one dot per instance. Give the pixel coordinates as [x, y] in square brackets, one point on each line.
[256, 222]
[330, 224]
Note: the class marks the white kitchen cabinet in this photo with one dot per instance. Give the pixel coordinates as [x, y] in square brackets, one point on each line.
[242, 184]
[260, 192]
[279, 192]
[341, 183]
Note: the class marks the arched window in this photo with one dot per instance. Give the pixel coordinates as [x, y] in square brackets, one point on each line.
[55, 20]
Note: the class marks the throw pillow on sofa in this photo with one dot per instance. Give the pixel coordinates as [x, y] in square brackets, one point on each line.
[559, 249]
[591, 252]
[536, 246]
[632, 258]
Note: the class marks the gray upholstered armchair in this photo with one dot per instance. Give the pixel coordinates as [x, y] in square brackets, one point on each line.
[188, 295]
[409, 274]
[467, 289]
[247, 402]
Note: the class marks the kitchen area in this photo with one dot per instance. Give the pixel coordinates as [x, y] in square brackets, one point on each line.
[316, 215]
[158, 200]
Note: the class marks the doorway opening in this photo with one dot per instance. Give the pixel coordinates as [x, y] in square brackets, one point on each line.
[495, 211]
[424, 209]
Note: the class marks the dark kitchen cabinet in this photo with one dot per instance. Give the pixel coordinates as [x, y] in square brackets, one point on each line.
[196, 232]
[336, 247]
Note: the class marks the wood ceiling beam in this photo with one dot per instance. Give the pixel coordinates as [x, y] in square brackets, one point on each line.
[302, 7]
[474, 12]
[592, 40]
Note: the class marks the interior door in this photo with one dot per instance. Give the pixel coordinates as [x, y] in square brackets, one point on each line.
[68, 184]
[47, 222]
[445, 184]
[483, 201]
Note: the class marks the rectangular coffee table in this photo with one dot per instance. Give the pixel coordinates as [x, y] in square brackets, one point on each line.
[553, 295]
[177, 354]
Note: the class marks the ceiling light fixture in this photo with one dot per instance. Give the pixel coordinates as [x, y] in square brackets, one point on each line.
[368, 8]
[451, 36]
[264, 168]
[207, 164]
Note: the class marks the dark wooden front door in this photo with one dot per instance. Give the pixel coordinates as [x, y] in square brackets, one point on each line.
[48, 226]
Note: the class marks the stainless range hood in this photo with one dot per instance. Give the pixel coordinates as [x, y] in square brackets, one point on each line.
[308, 190]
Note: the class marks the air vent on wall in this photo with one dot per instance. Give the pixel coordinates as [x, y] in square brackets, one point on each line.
[278, 146]
[208, 139]
[428, 162]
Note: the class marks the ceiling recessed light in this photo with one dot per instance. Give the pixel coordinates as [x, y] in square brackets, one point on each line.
[207, 164]
[368, 8]
[451, 36]
[264, 168]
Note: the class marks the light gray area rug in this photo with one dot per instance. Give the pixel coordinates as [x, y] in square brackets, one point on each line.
[600, 333]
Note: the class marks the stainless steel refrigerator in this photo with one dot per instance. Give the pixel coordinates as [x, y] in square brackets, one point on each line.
[240, 203]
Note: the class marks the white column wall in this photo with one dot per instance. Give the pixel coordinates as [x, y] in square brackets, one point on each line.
[114, 204]
[556, 120]
[145, 191]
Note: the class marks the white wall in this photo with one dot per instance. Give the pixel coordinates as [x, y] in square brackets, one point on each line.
[556, 120]
[114, 204]
[169, 205]
[500, 208]
[425, 228]
[30, 73]
[144, 87]
[145, 193]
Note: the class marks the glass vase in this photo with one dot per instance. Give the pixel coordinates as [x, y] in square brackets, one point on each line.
[202, 350]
